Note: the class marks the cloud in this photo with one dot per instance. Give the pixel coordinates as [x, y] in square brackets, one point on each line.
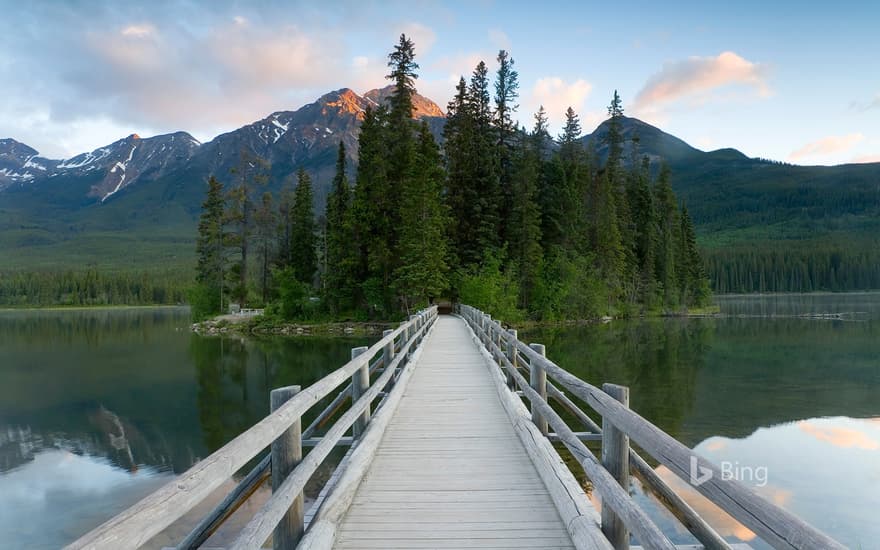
[840, 437]
[866, 105]
[422, 36]
[138, 31]
[827, 146]
[557, 95]
[95, 71]
[866, 158]
[696, 77]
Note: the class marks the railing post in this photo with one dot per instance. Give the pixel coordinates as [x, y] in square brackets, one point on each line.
[286, 453]
[413, 319]
[511, 355]
[615, 459]
[538, 381]
[388, 350]
[487, 331]
[360, 383]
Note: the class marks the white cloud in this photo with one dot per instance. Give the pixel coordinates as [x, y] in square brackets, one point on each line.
[422, 36]
[139, 31]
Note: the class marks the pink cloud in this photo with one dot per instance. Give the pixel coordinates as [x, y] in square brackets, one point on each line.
[840, 437]
[697, 76]
[557, 95]
[827, 146]
[866, 158]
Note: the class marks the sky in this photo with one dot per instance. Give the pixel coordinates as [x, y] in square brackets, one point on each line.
[790, 81]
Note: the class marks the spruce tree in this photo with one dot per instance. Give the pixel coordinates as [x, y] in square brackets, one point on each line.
[265, 237]
[462, 196]
[211, 256]
[506, 93]
[303, 237]
[668, 228]
[340, 260]
[421, 275]
[525, 218]
[373, 213]
[483, 167]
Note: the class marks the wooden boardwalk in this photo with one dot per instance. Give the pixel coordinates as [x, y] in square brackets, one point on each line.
[450, 472]
[447, 455]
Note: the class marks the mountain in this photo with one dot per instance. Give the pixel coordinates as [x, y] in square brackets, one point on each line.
[135, 202]
[148, 190]
[651, 141]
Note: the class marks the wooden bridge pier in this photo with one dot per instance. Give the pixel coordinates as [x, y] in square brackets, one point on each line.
[445, 453]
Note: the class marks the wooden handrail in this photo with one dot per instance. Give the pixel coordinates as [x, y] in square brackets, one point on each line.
[616, 496]
[263, 523]
[136, 525]
[775, 525]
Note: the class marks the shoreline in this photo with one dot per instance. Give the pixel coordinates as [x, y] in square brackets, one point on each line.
[5, 309]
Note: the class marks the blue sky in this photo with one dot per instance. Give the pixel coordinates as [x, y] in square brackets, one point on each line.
[793, 81]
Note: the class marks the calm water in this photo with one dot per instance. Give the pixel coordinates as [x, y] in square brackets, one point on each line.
[791, 404]
[98, 408]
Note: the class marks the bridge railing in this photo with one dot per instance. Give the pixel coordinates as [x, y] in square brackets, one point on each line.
[282, 515]
[610, 475]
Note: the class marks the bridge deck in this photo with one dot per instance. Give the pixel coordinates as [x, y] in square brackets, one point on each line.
[450, 471]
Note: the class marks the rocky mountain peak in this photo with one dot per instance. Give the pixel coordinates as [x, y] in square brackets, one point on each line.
[422, 106]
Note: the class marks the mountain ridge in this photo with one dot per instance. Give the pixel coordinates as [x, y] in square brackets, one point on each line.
[145, 193]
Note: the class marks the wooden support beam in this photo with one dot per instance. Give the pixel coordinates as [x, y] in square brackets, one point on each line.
[360, 382]
[615, 458]
[512, 355]
[538, 382]
[286, 452]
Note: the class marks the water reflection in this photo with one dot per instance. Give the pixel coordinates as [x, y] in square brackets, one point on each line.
[771, 389]
[128, 397]
[823, 469]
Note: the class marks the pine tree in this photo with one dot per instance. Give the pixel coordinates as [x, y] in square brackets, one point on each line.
[372, 210]
[284, 258]
[211, 266]
[525, 218]
[667, 237]
[483, 166]
[265, 234]
[340, 260]
[462, 196]
[506, 93]
[303, 238]
[421, 275]
[693, 283]
[250, 173]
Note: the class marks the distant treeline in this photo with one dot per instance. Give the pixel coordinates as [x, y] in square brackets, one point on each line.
[90, 287]
[785, 267]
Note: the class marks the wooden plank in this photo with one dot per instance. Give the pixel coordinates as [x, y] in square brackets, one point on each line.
[450, 471]
[568, 497]
[142, 521]
[258, 529]
[322, 532]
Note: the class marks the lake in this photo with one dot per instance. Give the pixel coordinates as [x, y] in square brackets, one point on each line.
[790, 403]
[100, 407]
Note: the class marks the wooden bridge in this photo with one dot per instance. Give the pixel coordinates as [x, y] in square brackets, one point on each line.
[445, 453]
